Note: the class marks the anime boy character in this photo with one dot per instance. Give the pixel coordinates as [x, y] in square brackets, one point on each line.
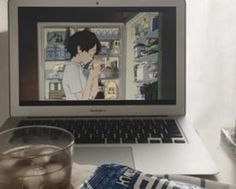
[81, 74]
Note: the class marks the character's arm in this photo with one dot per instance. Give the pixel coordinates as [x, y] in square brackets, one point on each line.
[92, 87]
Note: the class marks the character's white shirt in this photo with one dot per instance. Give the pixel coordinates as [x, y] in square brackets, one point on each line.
[74, 80]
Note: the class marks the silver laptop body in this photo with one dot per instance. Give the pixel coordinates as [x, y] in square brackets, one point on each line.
[34, 96]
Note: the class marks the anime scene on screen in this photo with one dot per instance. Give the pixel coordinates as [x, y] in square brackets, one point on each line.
[131, 57]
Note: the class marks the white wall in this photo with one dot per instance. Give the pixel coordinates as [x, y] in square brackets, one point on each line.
[211, 63]
[4, 90]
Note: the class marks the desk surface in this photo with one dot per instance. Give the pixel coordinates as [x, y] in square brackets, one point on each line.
[223, 157]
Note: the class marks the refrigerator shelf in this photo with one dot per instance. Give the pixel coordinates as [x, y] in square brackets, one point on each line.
[146, 81]
[151, 58]
[150, 34]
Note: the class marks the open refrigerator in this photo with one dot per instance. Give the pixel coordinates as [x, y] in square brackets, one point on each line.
[143, 56]
[130, 51]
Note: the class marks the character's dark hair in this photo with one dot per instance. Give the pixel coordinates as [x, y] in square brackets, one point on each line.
[85, 40]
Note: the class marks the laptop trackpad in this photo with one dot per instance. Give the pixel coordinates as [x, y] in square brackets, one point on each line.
[104, 155]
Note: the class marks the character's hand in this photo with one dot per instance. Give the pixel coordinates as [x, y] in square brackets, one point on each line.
[98, 64]
[98, 67]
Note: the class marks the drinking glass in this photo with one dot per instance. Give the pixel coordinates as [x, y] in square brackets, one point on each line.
[36, 157]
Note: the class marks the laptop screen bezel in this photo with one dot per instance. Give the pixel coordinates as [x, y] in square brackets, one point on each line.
[95, 110]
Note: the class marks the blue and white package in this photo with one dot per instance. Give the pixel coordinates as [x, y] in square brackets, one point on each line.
[113, 176]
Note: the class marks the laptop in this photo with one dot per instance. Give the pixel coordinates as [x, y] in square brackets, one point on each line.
[116, 66]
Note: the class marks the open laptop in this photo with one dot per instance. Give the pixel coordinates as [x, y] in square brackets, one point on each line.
[137, 60]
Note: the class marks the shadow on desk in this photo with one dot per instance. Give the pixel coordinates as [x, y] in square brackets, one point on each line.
[208, 177]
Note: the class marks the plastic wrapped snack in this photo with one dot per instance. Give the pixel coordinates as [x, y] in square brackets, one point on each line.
[112, 176]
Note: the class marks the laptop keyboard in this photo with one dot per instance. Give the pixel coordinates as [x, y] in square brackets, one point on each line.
[117, 131]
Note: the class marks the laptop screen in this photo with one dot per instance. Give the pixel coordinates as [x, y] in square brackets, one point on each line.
[97, 55]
